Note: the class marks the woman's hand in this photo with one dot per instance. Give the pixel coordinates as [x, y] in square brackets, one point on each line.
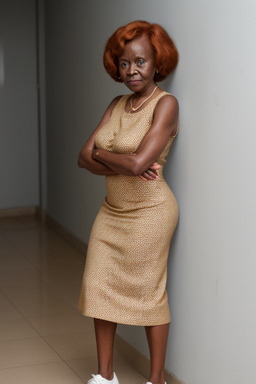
[151, 173]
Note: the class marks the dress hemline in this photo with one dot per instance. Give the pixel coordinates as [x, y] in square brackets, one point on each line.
[125, 322]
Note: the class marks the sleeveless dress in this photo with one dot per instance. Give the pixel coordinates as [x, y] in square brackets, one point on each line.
[126, 263]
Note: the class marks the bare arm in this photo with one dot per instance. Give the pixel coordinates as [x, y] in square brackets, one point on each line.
[164, 125]
[85, 159]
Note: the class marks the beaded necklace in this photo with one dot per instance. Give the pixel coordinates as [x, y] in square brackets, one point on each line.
[144, 101]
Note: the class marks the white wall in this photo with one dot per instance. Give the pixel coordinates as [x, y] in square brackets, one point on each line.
[19, 173]
[211, 166]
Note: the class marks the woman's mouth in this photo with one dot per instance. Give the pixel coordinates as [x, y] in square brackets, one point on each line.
[133, 82]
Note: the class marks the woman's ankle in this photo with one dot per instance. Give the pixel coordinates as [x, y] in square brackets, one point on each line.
[157, 380]
[107, 374]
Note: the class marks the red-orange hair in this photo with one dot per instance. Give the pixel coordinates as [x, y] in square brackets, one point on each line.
[166, 53]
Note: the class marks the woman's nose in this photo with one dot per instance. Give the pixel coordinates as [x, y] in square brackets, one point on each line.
[132, 70]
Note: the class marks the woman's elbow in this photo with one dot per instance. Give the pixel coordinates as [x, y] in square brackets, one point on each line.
[137, 168]
[81, 161]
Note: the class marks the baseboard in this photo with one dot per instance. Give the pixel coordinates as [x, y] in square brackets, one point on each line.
[41, 214]
[139, 361]
[18, 212]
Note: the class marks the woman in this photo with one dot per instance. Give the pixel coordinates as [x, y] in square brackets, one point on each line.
[126, 264]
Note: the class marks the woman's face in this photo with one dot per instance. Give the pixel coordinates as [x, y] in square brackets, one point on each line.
[137, 65]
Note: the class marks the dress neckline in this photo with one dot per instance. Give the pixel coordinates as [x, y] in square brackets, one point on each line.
[126, 97]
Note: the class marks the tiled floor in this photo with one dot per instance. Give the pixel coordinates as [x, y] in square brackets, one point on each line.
[43, 337]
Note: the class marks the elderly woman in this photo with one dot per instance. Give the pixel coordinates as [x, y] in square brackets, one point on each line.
[126, 263]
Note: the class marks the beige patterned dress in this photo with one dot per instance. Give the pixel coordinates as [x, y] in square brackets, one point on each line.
[126, 263]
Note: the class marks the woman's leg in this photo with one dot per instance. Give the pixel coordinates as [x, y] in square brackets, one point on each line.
[157, 341]
[105, 335]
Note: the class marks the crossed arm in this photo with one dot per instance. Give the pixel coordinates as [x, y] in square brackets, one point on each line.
[142, 163]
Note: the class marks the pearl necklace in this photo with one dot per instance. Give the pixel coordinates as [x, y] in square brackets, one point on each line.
[135, 109]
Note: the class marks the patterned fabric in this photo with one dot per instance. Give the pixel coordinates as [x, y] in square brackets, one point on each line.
[126, 264]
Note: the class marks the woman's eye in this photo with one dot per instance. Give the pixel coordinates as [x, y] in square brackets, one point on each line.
[123, 65]
[140, 62]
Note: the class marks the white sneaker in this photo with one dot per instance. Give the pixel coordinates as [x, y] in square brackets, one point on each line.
[151, 383]
[98, 379]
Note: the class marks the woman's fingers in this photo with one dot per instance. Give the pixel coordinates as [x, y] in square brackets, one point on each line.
[142, 178]
[155, 166]
[152, 173]
[149, 175]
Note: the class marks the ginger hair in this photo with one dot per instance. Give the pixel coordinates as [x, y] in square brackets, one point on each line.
[166, 53]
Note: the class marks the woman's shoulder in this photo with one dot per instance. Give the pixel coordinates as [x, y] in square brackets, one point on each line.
[167, 112]
[167, 100]
[168, 97]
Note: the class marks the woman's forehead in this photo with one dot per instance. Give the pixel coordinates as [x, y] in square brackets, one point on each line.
[139, 47]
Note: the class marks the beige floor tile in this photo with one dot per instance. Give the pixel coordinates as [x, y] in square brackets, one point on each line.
[72, 296]
[12, 260]
[30, 221]
[51, 373]
[35, 289]
[73, 345]
[7, 310]
[18, 223]
[38, 300]
[54, 257]
[23, 237]
[5, 245]
[85, 367]
[67, 285]
[12, 329]
[9, 222]
[70, 292]
[40, 281]
[16, 353]
[125, 373]
[59, 324]
[17, 277]
[42, 240]
[65, 276]
[33, 244]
